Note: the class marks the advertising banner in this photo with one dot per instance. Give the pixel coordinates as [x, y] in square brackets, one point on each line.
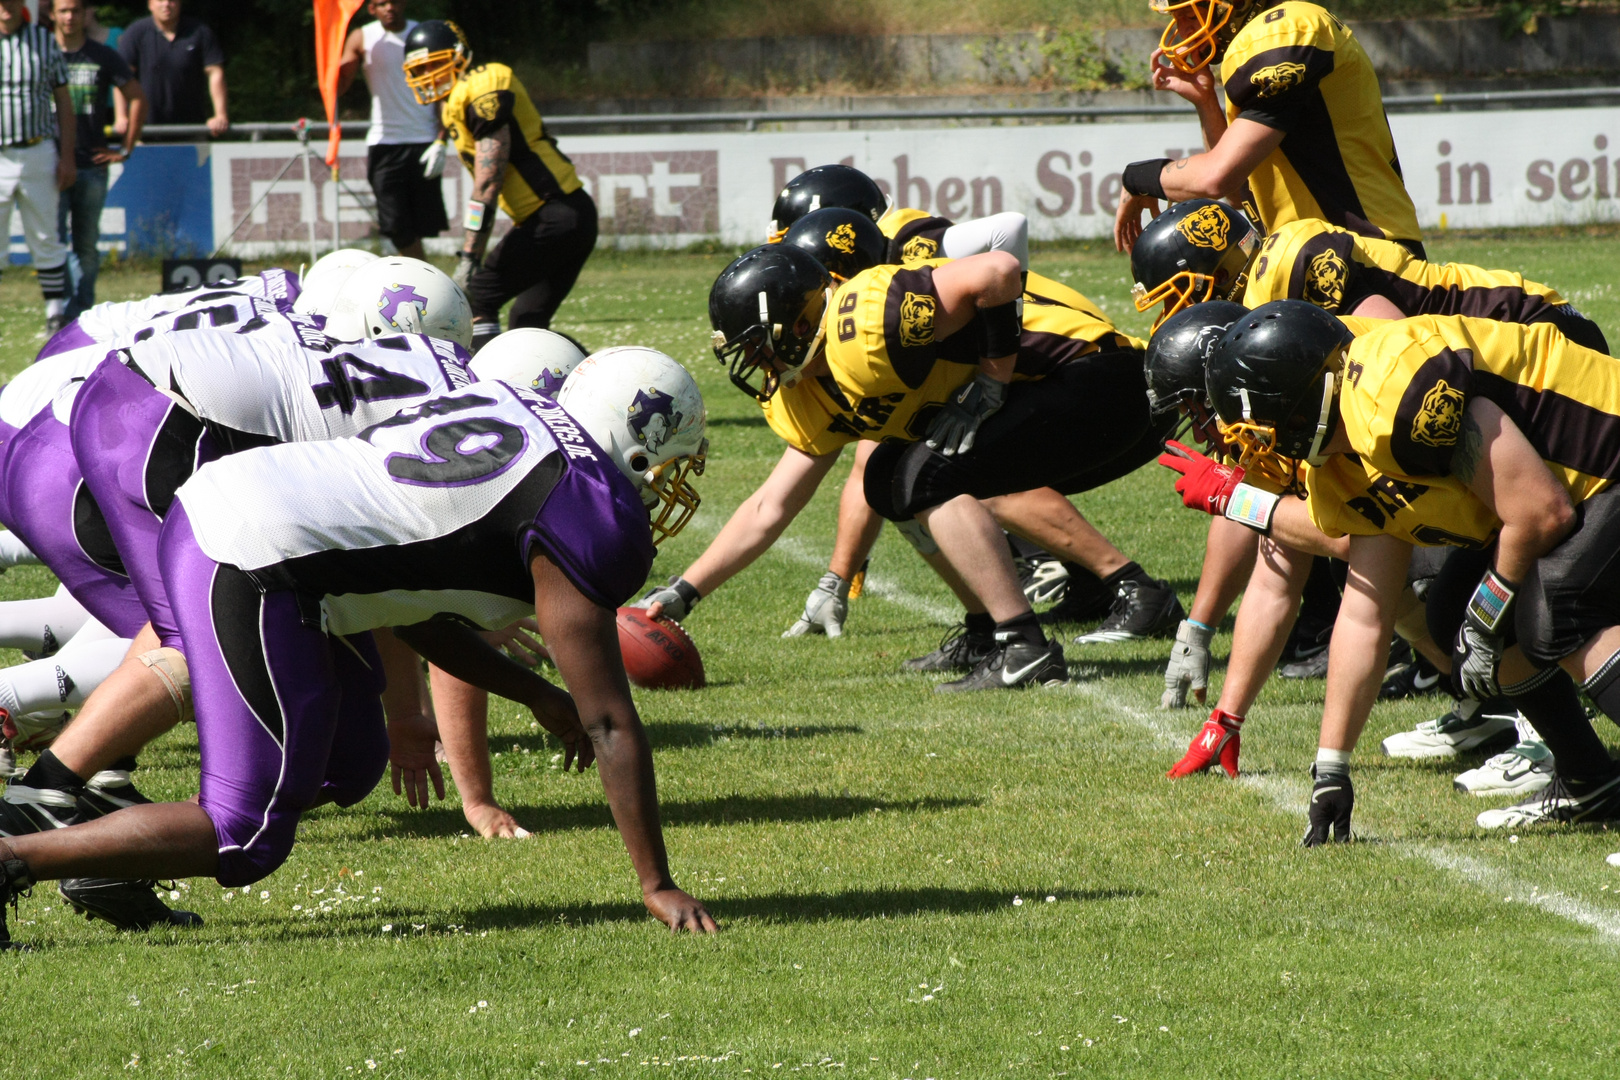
[1463, 169]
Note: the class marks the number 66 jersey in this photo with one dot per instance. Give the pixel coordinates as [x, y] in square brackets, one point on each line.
[437, 510]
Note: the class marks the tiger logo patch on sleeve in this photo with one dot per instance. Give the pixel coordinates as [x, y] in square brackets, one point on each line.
[919, 247]
[1439, 422]
[1205, 227]
[916, 320]
[1277, 79]
[1325, 277]
[488, 106]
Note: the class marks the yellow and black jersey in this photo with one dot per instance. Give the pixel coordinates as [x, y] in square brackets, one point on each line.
[487, 99]
[1346, 497]
[914, 235]
[887, 376]
[1406, 385]
[1335, 269]
[1297, 69]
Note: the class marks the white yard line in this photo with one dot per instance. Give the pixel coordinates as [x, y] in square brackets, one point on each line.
[1291, 797]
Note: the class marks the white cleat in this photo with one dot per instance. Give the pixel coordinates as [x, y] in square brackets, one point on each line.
[1523, 770]
[1460, 730]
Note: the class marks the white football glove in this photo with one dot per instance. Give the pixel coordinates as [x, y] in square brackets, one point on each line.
[432, 160]
[1188, 668]
[825, 609]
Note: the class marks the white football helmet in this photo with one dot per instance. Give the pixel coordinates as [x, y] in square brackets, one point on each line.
[647, 413]
[528, 356]
[320, 283]
[400, 295]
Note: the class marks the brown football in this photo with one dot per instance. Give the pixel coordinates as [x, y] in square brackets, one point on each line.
[657, 653]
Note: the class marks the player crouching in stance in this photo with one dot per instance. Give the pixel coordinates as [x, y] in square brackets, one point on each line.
[477, 506]
[1451, 416]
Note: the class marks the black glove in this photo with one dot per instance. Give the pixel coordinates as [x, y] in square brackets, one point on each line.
[1332, 799]
[958, 422]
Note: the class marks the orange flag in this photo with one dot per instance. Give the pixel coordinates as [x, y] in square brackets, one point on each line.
[331, 27]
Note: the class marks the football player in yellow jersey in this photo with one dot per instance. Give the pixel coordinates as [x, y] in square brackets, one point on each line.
[513, 160]
[1529, 423]
[1304, 125]
[923, 360]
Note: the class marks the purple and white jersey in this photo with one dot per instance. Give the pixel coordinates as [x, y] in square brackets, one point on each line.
[278, 377]
[37, 386]
[113, 323]
[437, 510]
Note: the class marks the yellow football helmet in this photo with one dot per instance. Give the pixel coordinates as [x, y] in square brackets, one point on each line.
[436, 55]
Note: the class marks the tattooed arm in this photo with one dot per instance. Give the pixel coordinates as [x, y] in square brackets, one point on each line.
[1499, 464]
[489, 169]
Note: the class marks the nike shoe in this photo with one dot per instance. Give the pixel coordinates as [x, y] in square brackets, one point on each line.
[15, 881]
[1309, 637]
[1524, 769]
[108, 790]
[1082, 602]
[25, 810]
[1013, 664]
[1140, 610]
[1559, 804]
[128, 905]
[1466, 727]
[1411, 680]
[960, 651]
[1044, 580]
[1313, 666]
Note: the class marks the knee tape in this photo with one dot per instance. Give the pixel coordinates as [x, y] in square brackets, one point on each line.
[917, 536]
[169, 665]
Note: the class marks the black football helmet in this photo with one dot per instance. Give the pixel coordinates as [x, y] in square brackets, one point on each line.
[842, 186]
[1273, 380]
[844, 241]
[766, 310]
[1195, 251]
[436, 55]
[1178, 350]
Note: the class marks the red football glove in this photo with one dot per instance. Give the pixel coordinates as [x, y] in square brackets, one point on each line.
[1205, 483]
[1217, 741]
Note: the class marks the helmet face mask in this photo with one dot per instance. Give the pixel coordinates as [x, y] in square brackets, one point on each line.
[436, 56]
[1196, 251]
[1217, 22]
[767, 312]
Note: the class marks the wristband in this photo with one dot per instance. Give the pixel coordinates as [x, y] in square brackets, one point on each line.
[1199, 625]
[686, 590]
[999, 331]
[1489, 605]
[473, 219]
[1252, 506]
[1142, 178]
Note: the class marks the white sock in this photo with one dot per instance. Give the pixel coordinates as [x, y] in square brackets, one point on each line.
[41, 625]
[13, 552]
[64, 680]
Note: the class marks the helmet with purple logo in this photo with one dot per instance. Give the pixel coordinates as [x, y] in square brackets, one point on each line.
[400, 295]
[528, 356]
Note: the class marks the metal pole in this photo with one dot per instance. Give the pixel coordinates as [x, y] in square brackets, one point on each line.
[302, 128]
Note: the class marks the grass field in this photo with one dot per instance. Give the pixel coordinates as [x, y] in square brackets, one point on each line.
[911, 885]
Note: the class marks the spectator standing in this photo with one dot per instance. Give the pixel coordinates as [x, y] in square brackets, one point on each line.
[181, 67]
[32, 173]
[405, 146]
[92, 69]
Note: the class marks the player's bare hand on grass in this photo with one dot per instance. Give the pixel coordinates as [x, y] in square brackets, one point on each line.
[1128, 218]
[411, 742]
[494, 823]
[679, 911]
[557, 714]
[518, 642]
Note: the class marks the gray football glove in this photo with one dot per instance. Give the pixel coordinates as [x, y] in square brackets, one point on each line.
[825, 609]
[679, 597]
[1188, 668]
[953, 430]
[1480, 653]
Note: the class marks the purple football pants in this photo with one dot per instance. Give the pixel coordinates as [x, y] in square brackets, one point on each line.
[288, 717]
[51, 510]
[135, 445]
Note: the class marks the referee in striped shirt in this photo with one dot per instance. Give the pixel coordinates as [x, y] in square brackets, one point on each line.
[33, 167]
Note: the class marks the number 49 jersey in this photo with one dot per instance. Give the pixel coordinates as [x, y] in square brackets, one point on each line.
[278, 378]
[437, 510]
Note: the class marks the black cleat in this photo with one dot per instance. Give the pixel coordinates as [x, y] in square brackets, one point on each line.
[1083, 601]
[25, 810]
[108, 790]
[1411, 680]
[1013, 664]
[1043, 579]
[1139, 610]
[15, 881]
[1562, 802]
[128, 905]
[958, 652]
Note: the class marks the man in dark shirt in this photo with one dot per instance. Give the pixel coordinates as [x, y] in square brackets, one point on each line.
[92, 69]
[181, 67]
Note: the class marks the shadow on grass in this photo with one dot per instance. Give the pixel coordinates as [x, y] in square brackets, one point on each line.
[682, 735]
[731, 810]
